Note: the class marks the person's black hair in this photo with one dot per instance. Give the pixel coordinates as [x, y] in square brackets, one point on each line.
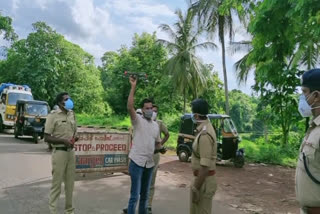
[146, 100]
[311, 79]
[200, 106]
[59, 97]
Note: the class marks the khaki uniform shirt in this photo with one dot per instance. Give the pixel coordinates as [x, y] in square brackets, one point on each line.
[204, 147]
[162, 127]
[61, 125]
[308, 192]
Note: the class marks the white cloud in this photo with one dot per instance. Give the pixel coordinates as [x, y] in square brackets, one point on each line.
[144, 24]
[92, 20]
[140, 7]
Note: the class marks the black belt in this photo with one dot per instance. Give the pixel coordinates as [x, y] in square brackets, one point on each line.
[66, 149]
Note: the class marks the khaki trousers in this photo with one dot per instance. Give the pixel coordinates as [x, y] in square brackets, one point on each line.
[207, 191]
[63, 170]
[156, 159]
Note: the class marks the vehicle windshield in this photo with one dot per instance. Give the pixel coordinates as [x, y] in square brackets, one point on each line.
[37, 109]
[13, 97]
[228, 126]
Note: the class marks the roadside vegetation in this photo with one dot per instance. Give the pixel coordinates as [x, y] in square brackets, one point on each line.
[256, 148]
[283, 41]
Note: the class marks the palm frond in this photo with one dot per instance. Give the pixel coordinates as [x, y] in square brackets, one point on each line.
[243, 69]
[170, 45]
[243, 46]
[166, 28]
[205, 45]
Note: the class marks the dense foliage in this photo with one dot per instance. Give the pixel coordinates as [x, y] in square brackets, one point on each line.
[285, 39]
[49, 64]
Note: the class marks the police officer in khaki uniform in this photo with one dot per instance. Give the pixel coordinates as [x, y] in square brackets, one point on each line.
[156, 156]
[60, 132]
[203, 160]
[308, 167]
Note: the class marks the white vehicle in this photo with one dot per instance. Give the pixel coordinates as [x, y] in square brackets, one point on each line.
[9, 94]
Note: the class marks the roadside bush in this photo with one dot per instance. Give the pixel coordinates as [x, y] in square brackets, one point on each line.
[172, 121]
[262, 152]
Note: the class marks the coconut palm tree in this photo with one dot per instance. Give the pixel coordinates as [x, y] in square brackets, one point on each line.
[307, 54]
[213, 20]
[185, 67]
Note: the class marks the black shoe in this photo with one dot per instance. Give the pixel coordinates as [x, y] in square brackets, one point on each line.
[149, 210]
[125, 211]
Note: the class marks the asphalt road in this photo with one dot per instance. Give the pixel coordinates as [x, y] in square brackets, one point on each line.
[25, 179]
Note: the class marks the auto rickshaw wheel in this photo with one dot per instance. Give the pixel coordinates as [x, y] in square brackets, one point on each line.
[35, 137]
[238, 161]
[183, 155]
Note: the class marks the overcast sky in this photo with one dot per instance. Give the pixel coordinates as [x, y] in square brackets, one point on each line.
[104, 25]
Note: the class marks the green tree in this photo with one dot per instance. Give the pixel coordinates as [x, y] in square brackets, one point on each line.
[147, 56]
[273, 50]
[242, 110]
[285, 39]
[186, 68]
[217, 16]
[49, 64]
[213, 93]
[7, 29]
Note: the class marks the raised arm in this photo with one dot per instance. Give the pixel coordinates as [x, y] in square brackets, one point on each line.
[130, 104]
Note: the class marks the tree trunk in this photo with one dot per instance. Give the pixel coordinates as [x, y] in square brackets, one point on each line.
[184, 100]
[265, 132]
[226, 92]
[285, 136]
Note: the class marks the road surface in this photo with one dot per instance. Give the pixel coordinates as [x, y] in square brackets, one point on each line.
[25, 179]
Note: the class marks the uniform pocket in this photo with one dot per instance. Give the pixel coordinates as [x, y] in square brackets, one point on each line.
[210, 187]
[310, 151]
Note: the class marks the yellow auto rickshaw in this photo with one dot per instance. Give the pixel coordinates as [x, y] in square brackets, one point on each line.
[30, 118]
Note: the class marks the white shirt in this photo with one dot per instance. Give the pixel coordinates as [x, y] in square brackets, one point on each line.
[145, 135]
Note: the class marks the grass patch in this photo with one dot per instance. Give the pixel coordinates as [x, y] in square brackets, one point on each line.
[101, 120]
[269, 153]
[172, 142]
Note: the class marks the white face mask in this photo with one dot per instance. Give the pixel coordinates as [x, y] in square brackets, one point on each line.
[154, 115]
[148, 114]
[304, 108]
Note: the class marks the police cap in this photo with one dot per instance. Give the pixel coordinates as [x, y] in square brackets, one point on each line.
[200, 106]
[311, 78]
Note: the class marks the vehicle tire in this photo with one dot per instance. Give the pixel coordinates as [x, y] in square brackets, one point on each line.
[238, 161]
[35, 138]
[1, 125]
[16, 134]
[183, 155]
[219, 156]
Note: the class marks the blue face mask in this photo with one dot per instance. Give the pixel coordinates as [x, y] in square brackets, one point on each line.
[68, 105]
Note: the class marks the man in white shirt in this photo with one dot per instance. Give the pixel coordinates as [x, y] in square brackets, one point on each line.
[146, 137]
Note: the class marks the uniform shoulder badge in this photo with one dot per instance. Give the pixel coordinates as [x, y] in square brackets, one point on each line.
[204, 130]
